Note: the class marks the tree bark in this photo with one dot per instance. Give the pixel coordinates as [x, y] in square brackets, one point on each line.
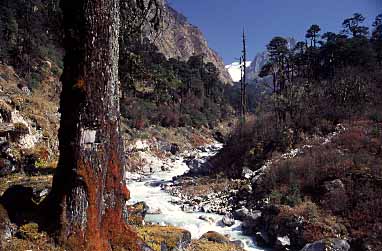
[89, 193]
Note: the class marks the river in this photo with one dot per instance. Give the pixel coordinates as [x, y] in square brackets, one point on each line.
[148, 190]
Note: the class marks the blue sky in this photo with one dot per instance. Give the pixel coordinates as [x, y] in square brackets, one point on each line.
[222, 21]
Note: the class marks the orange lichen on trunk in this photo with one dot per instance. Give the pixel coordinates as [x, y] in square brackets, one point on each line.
[107, 231]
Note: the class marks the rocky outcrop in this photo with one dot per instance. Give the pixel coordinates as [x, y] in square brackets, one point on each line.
[180, 39]
[28, 122]
[328, 245]
[167, 238]
[258, 62]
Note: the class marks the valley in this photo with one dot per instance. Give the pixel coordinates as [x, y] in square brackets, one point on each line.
[121, 129]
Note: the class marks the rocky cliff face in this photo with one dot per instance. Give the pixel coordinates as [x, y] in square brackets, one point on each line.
[258, 62]
[181, 39]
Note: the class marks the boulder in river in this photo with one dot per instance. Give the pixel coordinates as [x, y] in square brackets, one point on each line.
[228, 220]
[262, 238]
[282, 243]
[240, 213]
[251, 219]
[165, 237]
[328, 245]
[215, 237]
[206, 218]
[174, 149]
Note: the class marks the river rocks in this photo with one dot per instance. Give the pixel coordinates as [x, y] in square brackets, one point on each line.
[247, 173]
[262, 238]
[154, 211]
[139, 146]
[189, 209]
[207, 219]
[241, 213]
[168, 238]
[251, 220]
[282, 243]
[211, 202]
[328, 245]
[215, 237]
[228, 220]
[174, 149]
[238, 243]
[205, 245]
[137, 213]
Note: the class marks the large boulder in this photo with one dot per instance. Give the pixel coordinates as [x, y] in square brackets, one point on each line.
[328, 245]
[165, 238]
[241, 213]
[251, 220]
[215, 237]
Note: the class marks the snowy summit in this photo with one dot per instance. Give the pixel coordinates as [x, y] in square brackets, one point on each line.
[234, 70]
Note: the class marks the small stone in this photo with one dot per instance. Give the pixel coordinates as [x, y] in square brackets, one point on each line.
[283, 241]
[228, 220]
[262, 238]
[207, 219]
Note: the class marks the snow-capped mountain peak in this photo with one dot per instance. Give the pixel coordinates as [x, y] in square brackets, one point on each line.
[234, 70]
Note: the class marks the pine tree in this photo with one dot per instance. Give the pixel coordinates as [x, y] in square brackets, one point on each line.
[313, 34]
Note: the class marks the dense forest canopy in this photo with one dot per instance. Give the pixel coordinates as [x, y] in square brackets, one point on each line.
[168, 92]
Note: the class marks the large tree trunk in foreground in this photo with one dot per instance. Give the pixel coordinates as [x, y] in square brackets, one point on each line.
[88, 188]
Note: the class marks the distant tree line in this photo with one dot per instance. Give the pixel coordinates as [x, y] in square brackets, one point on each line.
[170, 92]
[329, 76]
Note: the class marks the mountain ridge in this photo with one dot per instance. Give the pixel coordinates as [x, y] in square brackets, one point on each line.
[181, 39]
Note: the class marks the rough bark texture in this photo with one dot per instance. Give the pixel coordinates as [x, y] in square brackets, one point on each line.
[88, 187]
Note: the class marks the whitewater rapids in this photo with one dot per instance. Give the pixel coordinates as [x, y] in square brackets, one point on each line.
[148, 189]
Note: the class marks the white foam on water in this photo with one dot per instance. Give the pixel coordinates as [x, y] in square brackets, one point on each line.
[149, 191]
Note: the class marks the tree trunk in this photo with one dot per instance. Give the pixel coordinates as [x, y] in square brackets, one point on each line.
[89, 193]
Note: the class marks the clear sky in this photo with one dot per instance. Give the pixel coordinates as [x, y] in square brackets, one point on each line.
[222, 21]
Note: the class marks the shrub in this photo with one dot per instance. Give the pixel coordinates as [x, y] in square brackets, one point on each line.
[376, 116]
